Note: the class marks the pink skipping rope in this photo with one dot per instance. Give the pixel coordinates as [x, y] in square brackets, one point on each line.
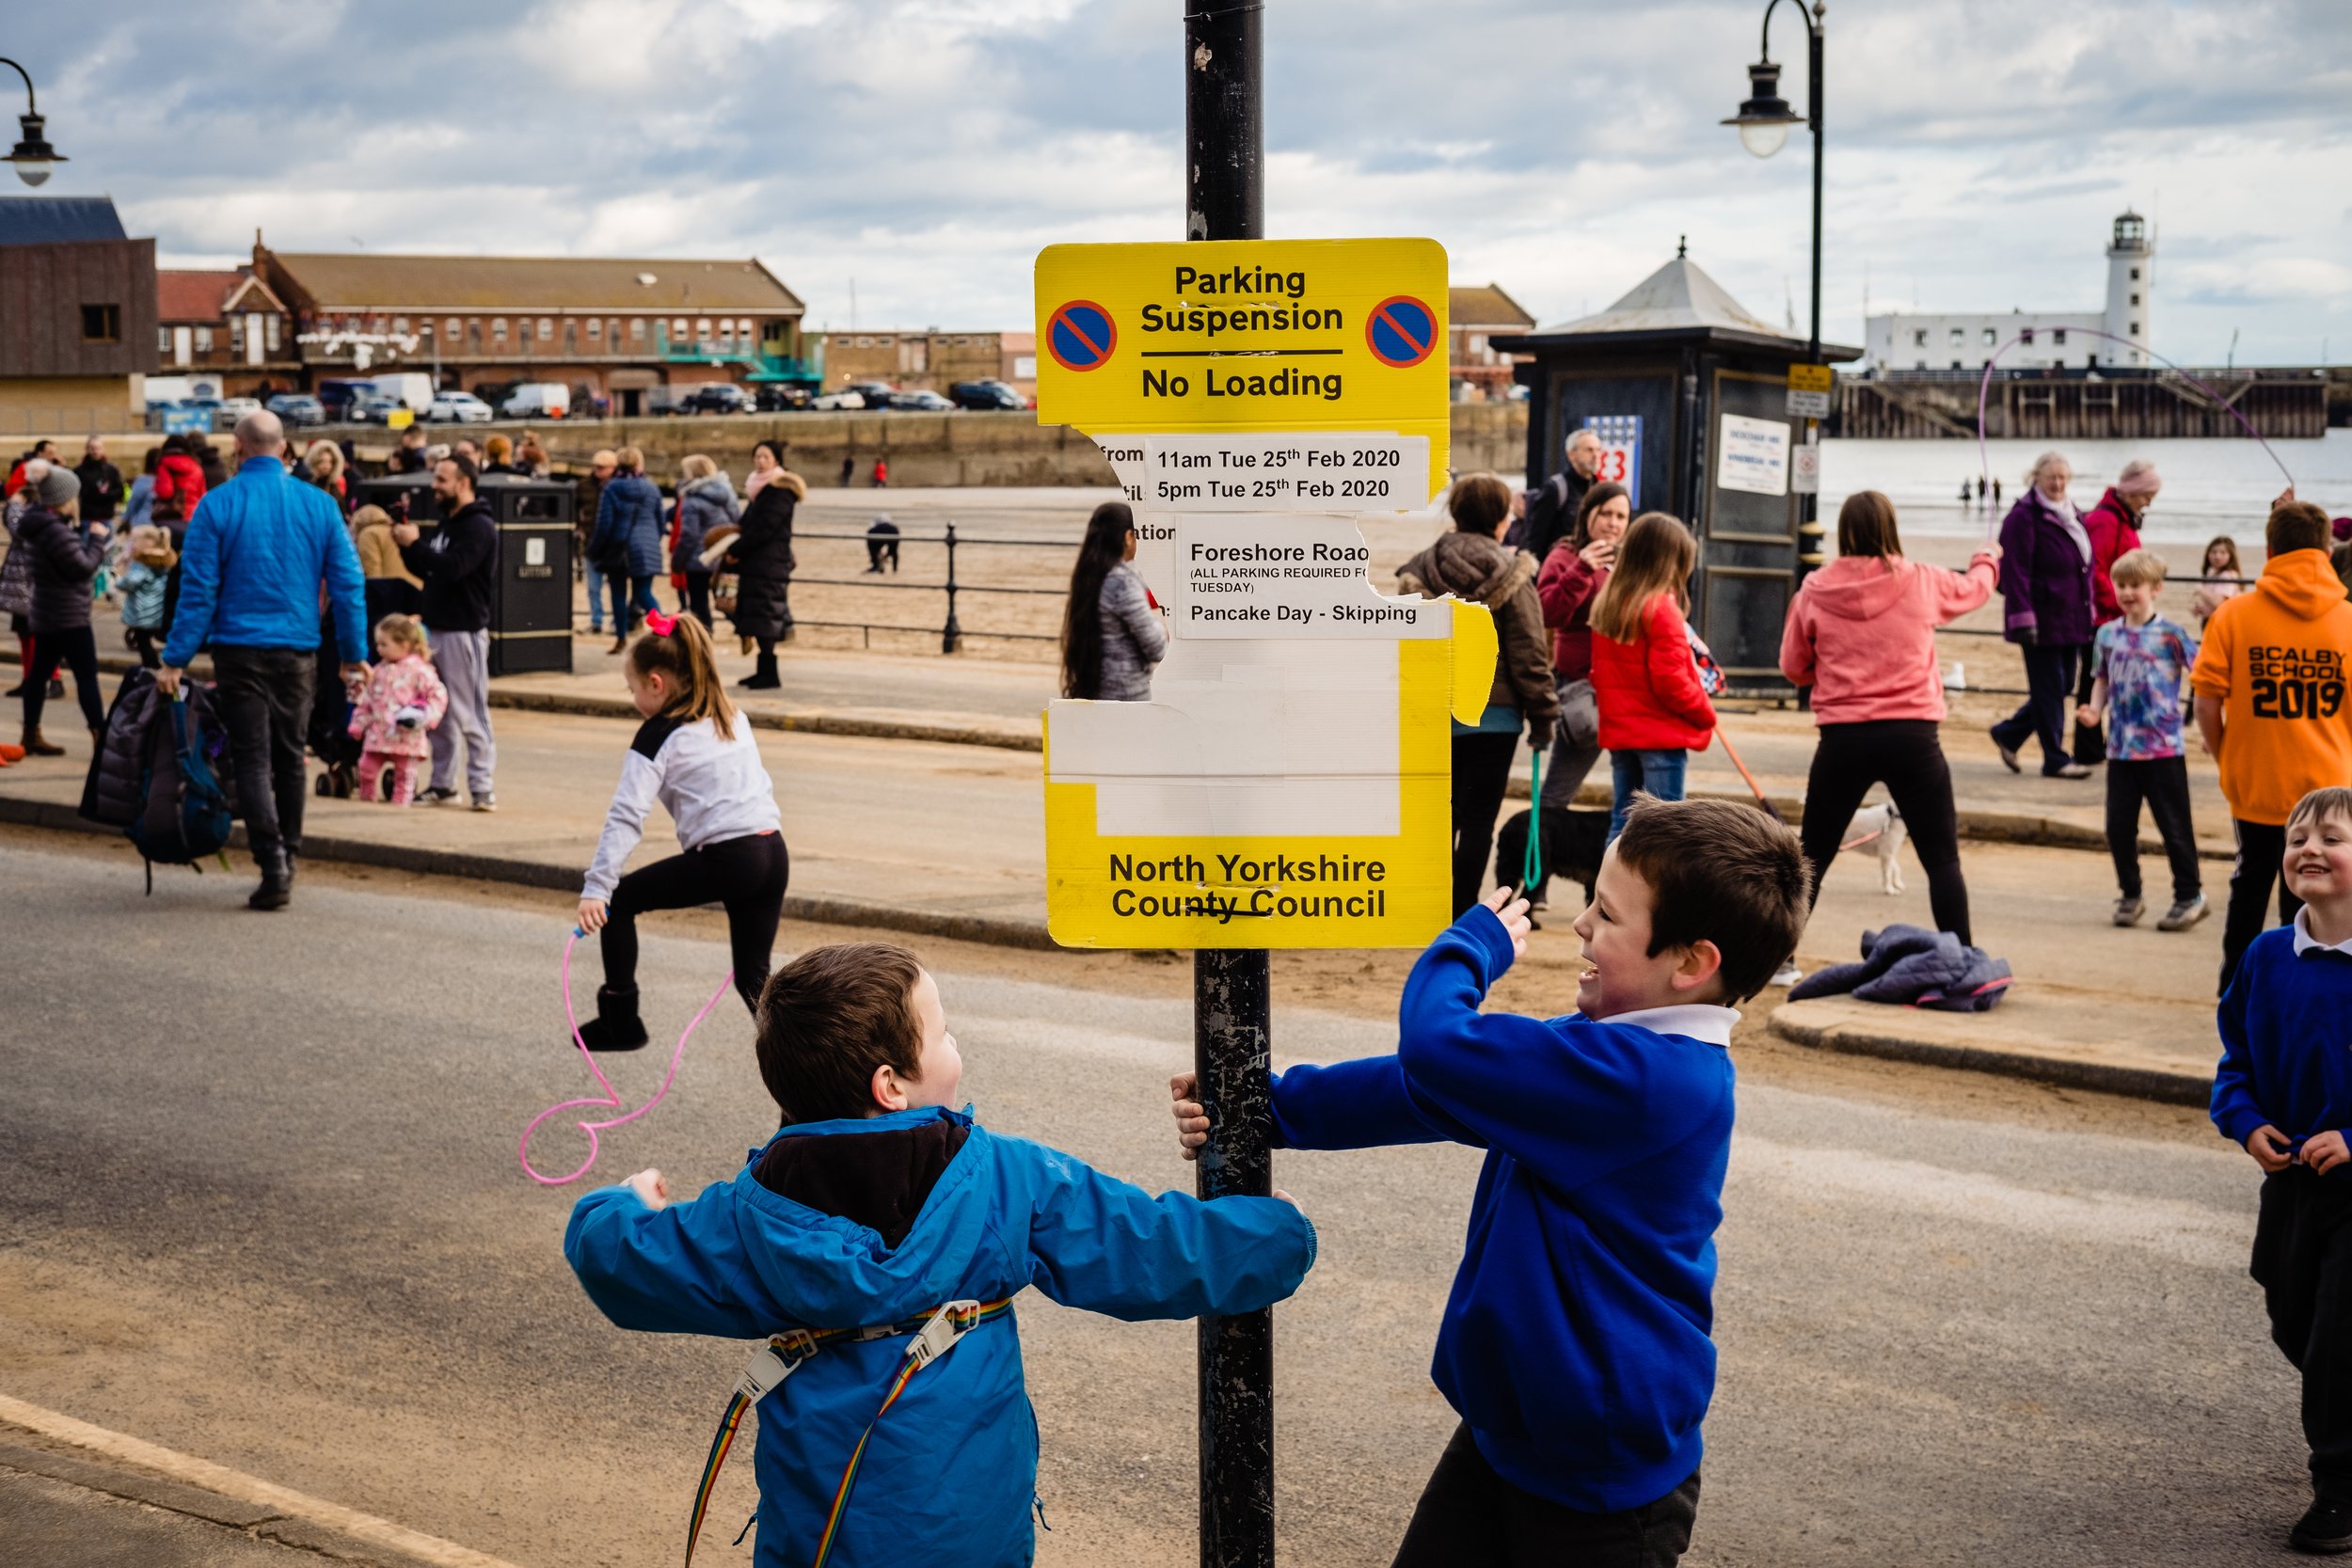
[611, 1101]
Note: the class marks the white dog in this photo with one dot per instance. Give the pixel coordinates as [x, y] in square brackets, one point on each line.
[1880, 827]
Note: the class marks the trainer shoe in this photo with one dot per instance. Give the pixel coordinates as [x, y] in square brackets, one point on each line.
[2009, 755]
[2325, 1530]
[486, 802]
[430, 796]
[2127, 911]
[1786, 974]
[2069, 771]
[2181, 917]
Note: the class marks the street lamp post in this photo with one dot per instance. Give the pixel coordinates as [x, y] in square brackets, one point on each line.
[32, 155]
[1763, 120]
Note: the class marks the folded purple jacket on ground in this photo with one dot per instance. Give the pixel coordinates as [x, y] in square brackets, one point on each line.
[1911, 966]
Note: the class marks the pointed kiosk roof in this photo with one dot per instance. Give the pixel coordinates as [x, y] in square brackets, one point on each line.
[1678, 301]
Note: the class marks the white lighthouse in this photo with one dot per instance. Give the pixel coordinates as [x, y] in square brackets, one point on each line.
[2131, 279]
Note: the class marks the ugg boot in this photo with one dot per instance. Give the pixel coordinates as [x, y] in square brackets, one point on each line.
[616, 1025]
[763, 678]
[36, 746]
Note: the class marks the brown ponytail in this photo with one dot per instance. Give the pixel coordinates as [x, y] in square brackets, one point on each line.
[683, 657]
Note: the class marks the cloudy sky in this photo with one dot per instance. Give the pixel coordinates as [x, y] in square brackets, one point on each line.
[924, 149]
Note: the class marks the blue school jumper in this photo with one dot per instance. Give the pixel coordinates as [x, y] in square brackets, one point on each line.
[950, 1474]
[1575, 1343]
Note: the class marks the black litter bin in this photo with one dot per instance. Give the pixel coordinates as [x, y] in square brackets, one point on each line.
[531, 612]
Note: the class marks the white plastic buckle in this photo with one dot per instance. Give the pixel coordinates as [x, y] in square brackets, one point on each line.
[774, 1361]
[938, 1336]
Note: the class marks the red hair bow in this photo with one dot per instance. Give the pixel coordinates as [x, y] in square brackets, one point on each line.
[658, 624]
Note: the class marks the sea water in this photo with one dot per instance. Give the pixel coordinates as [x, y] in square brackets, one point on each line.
[2210, 487]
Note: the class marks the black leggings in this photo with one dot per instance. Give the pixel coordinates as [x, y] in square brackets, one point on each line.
[747, 875]
[698, 598]
[1907, 757]
[1482, 769]
[76, 649]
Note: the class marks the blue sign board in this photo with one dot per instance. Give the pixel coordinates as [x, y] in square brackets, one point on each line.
[1620, 452]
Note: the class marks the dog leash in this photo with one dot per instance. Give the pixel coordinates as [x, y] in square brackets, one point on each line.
[611, 1101]
[1753, 789]
[1532, 864]
[935, 1333]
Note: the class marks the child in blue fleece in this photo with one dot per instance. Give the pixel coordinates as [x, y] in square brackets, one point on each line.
[874, 1207]
[1575, 1344]
[2283, 1090]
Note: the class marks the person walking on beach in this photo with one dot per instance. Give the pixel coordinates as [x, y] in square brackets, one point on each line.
[627, 543]
[705, 500]
[763, 561]
[2045, 584]
[1111, 635]
[1860, 633]
[258, 553]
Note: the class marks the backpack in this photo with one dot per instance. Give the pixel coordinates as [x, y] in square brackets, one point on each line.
[162, 775]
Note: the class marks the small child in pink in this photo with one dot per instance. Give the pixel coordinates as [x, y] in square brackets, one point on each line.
[396, 712]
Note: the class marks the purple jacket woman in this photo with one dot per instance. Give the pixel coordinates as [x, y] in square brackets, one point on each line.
[2046, 598]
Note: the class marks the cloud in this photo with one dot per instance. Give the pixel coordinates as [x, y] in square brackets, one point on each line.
[928, 147]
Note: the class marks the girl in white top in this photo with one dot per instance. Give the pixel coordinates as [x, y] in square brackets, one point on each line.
[695, 754]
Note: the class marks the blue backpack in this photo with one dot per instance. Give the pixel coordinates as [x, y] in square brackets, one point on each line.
[162, 775]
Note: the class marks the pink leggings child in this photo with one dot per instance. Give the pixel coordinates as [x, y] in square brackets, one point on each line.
[372, 765]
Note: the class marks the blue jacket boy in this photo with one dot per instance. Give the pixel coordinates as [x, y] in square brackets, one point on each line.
[879, 1219]
[1575, 1343]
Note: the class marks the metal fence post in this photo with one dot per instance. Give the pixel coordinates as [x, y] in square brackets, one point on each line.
[951, 635]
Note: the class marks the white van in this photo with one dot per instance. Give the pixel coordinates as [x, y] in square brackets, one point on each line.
[412, 387]
[538, 400]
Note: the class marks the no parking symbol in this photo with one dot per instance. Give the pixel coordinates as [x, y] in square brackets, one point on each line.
[1080, 336]
[1401, 331]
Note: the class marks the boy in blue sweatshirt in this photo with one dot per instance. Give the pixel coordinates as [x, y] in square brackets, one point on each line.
[2283, 1090]
[1575, 1344]
[876, 1207]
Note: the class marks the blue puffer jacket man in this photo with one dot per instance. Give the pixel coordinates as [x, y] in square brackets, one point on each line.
[947, 1212]
[626, 541]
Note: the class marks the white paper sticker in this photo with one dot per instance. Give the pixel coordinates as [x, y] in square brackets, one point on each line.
[1286, 577]
[1348, 471]
[1804, 471]
[534, 552]
[1752, 455]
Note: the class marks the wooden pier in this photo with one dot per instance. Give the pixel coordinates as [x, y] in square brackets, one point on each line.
[2165, 406]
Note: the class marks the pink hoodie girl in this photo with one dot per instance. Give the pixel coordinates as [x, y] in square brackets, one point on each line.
[1862, 634]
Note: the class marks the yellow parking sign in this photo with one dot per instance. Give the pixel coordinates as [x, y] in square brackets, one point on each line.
[1245, 335]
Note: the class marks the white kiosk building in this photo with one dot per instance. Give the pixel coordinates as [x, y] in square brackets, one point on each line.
[1901, 341]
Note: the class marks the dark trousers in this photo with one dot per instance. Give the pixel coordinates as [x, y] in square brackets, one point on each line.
[746, 875]
[698, 599]
[1482, 766]
[2162, 784]
[265, 697]
[2260, 846]
[75, 649]
[2303, 1262]
[1468, 1516]
[147, 644]
[1907, 757]
[2050, 679]
[628, 592]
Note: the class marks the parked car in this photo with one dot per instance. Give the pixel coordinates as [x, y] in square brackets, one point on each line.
[834, 402]
[921, 401]
[299, 408]
[775, 397]
[537, 400]
[337, 396]
[232, 409]
[452, 406]
[371, 408]
[986, 394]
[876, 393]
[720, 397]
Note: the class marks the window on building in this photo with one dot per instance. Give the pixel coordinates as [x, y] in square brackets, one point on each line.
[456, 328]
[547, 328]
[880, 341]
[1960, 336]
[680, 328]
[269, 331]
[2057, 335]
[2135, 329]
[497, 327]
[2135, 274]
[400, 325]
[612, 329]
[1919, 340]
[596, 331]
[523, 330]
[204, 336]
[1921, 365]
[637, 329]
[1991, 337]
[1958, 366]
[2026, 336]
[163, 339]
[2135, 299]
[702, 332]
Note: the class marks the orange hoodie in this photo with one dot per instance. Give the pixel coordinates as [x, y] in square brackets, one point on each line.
[2275, 660]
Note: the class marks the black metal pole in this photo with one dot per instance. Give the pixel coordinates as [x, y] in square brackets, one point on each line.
[1231, 994]
[1809, 529]
[951, 635]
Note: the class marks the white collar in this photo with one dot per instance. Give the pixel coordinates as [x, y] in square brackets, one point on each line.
[2305, 942]
[1697, 1021]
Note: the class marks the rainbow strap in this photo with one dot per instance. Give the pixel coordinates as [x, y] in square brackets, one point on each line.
[935, 1334]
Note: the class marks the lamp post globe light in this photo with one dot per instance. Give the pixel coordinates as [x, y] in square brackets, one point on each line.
[1764, 119]
[32, 155]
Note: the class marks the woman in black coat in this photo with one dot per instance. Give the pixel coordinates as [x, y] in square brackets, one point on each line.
[763, 562]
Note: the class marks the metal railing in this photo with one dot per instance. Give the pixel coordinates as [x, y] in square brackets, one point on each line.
[2240, 583]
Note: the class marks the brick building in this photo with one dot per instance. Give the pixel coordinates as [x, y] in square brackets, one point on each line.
[611, 328]
[77, 306]
[228, 324]
[911, 361]
[1481, 372]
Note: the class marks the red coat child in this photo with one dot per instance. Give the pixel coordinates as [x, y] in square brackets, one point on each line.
[1648, 690]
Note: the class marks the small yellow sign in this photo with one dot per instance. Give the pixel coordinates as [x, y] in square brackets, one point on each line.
[400, 418]
[1246, 335]
[1809, 378]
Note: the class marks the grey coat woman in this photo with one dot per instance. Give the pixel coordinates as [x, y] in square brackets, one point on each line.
[1132, 639]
